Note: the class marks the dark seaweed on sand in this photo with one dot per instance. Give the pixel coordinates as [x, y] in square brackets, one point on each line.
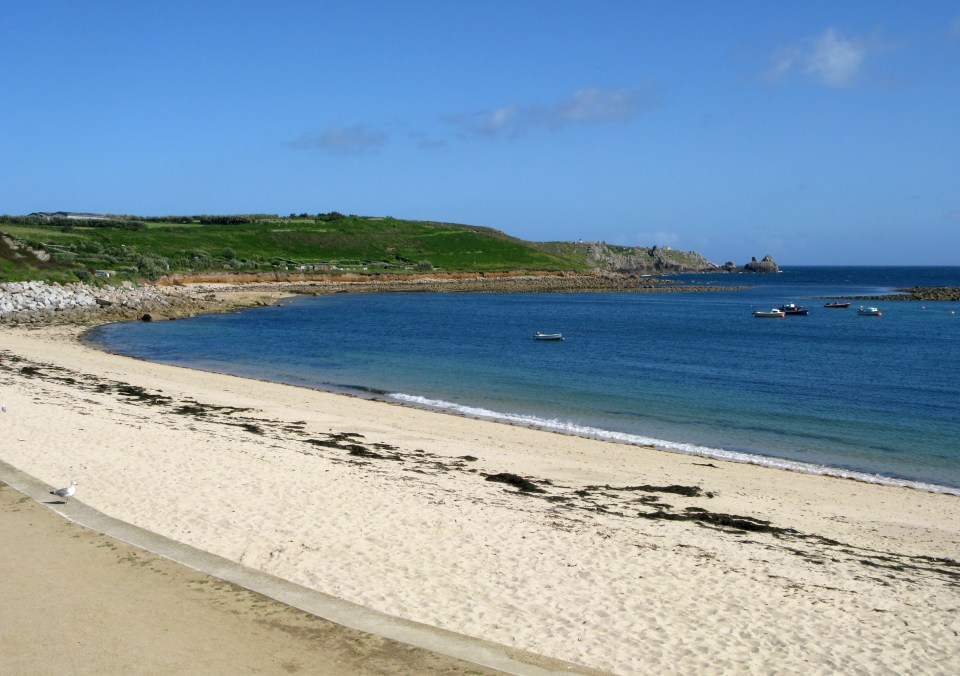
[627, 502]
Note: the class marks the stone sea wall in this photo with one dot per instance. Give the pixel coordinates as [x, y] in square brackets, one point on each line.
[27, 297]
[36, 302]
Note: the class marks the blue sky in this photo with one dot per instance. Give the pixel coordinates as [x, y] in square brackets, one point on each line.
[816, 132]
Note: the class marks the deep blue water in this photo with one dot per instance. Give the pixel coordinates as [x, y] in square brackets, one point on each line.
[872, 397]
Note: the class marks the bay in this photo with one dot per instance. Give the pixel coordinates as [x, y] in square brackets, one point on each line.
[873, 398]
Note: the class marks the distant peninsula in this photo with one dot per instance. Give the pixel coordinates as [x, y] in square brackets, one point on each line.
[65, 246]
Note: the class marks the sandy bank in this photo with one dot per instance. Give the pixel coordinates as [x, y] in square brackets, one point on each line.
[621, 558]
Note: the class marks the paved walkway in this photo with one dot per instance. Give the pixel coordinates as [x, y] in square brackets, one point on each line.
[392, 638]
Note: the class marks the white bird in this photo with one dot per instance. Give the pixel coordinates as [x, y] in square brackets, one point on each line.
[67, 492]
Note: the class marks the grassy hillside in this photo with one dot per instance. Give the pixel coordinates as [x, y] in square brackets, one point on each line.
[147, 248]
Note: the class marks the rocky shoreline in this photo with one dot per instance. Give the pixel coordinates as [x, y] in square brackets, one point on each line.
[36, 303]
[39, 303]
[945, 293]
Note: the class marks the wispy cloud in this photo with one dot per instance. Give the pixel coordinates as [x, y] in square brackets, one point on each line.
[955, 29]
[352, 140]
[425, 142]
[830, 59]
[595, 105]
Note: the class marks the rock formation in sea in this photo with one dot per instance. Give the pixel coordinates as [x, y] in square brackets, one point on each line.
[766, 265]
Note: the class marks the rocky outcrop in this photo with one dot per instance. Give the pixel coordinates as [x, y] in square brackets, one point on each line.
[936, 293]
[765, 266]
[646, 260]
[18, 248]
[949, 293]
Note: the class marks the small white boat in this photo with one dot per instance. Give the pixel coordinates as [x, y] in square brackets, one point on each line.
[775, 312]
[869, 312]
[547, 336]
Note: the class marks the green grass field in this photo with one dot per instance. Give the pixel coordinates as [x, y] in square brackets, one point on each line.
[137, 250]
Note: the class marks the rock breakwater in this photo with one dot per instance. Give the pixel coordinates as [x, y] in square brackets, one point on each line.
[36, 302]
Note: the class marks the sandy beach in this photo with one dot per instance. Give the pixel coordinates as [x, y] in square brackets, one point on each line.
[620, 558]
[76, 601]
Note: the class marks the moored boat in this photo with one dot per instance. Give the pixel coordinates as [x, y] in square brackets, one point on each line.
[775, 313]
[836, 305]
[793, 309]
[869, 312]
[547, 336]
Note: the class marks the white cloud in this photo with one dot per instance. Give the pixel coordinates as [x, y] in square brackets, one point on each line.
[955, 29]
[498, 120]
[598, 105]
[830, 59]
[594, 105]
[834, 60]
[351, 140]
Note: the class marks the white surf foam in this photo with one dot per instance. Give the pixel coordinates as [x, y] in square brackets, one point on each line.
[566, 427]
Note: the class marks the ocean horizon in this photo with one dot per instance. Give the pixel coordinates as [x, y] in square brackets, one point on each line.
[869, 398]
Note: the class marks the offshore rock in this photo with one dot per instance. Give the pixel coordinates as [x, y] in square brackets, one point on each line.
[765, 266]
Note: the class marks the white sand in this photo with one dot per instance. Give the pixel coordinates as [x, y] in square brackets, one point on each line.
[427, 538]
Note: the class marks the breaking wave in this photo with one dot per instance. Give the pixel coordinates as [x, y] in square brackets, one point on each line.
[573, 429]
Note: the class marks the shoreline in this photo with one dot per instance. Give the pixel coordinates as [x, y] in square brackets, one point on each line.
[230, 298]
[590, 433]
[174, 298]
[615, 557]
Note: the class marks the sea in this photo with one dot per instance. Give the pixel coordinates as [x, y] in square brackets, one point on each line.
[872, 398]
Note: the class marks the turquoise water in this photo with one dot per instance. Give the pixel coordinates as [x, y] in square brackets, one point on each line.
[876, 398]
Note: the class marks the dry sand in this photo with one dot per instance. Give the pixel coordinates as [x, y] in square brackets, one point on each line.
[75, 601]
[631, 560]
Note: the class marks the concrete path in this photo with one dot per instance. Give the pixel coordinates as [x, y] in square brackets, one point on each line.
[475, 651]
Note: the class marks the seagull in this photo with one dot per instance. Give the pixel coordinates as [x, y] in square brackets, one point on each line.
[67, 492]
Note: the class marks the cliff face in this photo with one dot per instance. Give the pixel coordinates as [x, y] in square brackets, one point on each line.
[646, 260]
